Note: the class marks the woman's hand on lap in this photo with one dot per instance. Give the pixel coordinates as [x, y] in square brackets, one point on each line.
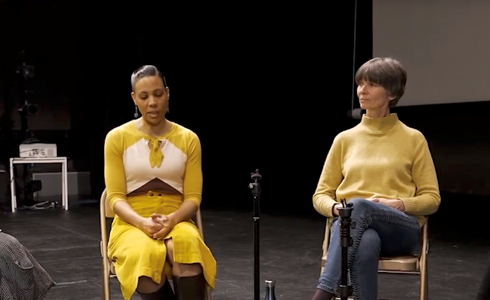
[395, 203]
[167, 223]
[150, 226]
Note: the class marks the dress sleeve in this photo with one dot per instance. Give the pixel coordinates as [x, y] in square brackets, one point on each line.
[193, 171]
[114, 176]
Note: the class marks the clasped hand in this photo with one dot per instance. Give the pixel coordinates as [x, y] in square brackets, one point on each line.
[158, 226]
[395, 203]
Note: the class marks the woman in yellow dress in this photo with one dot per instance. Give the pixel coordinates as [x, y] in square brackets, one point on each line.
[153, 181]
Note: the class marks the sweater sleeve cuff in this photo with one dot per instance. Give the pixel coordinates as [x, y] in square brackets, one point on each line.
[410, 204]
[325, 206]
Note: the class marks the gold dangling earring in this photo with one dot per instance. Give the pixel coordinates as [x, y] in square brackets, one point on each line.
[135, 111]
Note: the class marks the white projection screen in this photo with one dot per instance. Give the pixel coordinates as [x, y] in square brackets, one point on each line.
[444, 45]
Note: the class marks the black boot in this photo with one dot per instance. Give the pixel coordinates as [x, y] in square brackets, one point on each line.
[164, 293]
[190, 288]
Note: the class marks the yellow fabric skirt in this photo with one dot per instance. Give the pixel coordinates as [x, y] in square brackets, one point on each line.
[135, 254]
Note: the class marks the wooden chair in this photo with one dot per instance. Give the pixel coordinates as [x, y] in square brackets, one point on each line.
[415, 264]
[108, 270]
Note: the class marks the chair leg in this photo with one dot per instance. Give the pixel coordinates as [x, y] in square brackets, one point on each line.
[208, 294]
[106, 275]
[424, 281]
[106, 289]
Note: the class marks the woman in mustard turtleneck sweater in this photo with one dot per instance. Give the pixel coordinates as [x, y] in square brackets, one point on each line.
[386, 170]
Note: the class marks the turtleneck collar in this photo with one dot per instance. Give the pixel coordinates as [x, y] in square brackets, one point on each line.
[379, 125]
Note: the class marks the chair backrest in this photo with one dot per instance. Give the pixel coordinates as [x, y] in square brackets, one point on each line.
[105, 206]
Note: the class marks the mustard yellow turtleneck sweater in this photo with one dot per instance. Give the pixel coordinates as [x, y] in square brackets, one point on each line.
[380, 158]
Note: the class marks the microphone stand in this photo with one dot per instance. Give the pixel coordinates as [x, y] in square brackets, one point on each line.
[345, 242]
[255, 187]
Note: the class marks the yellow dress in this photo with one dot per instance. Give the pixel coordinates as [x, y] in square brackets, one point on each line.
[153, 175]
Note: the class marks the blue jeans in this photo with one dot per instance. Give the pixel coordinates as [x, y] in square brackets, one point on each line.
[380, 231]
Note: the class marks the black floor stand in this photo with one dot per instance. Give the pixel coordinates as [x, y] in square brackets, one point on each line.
[255, 187]
[345, 242]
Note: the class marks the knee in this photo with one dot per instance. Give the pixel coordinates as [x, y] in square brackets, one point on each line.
[360, 202]
[360, 206]
[369, 246]
[143, 280]
[146, 285]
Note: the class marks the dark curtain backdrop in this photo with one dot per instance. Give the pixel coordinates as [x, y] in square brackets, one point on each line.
[264, 86]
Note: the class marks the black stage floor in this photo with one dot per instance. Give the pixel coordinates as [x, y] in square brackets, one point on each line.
[66, 243]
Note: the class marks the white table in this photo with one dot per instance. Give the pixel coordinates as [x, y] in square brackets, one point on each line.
[40, 160]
